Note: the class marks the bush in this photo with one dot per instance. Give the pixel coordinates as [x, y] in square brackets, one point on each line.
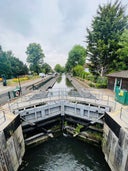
[102, 85]
[91, 84]
[90, 77]
[20, 79]
[102, 80]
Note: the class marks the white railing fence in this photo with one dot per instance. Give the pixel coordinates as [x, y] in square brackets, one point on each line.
[124, 115]
[2, 117]
[65, 94]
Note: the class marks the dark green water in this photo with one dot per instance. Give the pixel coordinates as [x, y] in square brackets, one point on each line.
[64, 154]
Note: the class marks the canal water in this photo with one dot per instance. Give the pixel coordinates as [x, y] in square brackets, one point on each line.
[64, 153]
[63, 83]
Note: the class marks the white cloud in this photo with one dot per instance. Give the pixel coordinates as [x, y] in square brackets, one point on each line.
[57, 25]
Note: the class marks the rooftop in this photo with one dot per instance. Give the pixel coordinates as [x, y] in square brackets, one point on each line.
[120, 74]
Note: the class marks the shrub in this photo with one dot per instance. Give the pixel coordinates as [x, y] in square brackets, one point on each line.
[101, 85]
[91, 84]
[102, 80]
[90, 77]
[20, 79]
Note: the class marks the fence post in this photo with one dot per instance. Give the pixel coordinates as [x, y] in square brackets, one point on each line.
[4, 116]
[89, 110]
[108, 100]
[121, 112]
[114, 105]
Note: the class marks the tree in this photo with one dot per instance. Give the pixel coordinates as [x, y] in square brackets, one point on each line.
[103, 38]
[76, 56]
[35, 57]
[123, 51]
[17, 66]
[78, 70]
[11, 66]
[46, 68]
[5, 68]
[58, 68]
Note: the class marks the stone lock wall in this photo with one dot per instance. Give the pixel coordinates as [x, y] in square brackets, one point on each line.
[12, 148]
[115, 147]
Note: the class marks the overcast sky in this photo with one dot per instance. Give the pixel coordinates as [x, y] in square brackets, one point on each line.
[56, 24]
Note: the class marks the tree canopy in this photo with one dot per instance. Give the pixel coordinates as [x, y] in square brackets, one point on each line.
[103, 38]
[35, 56]
[58, 68]
[78, 70]
[123, 51]
[76, 56]
[46, 68]
[10, 66]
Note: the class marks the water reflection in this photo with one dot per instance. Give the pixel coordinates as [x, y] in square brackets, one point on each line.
[63, 83]
[68, 83]
[59, 79]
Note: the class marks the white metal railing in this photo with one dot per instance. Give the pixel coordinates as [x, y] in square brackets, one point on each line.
[2, 117]
[64, 94]
[124, 115]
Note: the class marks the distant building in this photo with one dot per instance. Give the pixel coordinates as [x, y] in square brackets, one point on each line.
[86, 65]
[119, 79]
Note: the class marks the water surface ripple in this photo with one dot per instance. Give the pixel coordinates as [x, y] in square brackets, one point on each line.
[64, 154]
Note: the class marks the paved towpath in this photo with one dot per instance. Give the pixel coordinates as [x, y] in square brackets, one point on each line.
[5, 89]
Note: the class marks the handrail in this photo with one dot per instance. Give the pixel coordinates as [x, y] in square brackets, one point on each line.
[124, 115]
[64, 94]
[2, 117]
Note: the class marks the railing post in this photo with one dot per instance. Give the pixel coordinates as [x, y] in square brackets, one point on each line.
[9, 107]
[4, 116]
[75, 107]
[89, 111]
[35, 112]
[108, 100]
[114, 105]
[121, 112]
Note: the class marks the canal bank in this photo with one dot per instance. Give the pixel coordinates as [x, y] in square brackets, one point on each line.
[72, 123]
[115, 140]
[8, 92]
[12, 146]
[75, 110]
[115, 132]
